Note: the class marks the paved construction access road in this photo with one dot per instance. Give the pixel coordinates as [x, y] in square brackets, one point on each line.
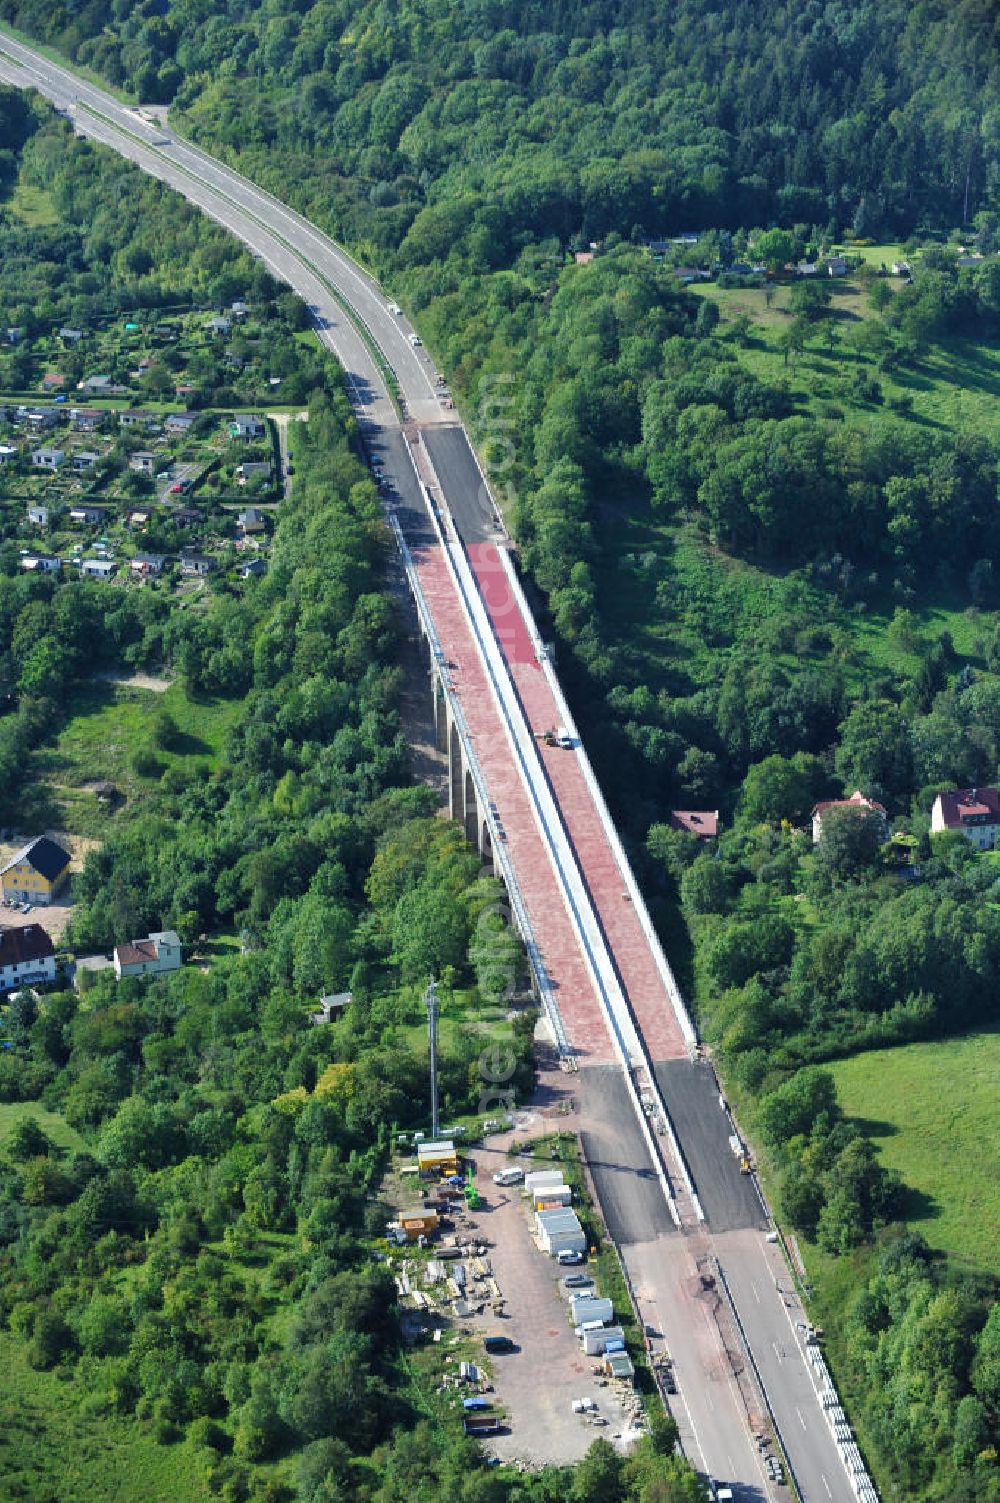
[374, 345]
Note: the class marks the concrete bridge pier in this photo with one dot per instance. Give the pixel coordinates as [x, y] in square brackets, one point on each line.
[463, 797]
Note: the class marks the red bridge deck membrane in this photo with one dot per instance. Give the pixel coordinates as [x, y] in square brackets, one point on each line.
[651, 1006]
[576, 997]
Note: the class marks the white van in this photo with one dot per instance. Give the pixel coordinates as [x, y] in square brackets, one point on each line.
[509, 1177]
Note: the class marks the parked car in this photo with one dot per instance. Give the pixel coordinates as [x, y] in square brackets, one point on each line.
[566, 1258]
[577, 1281]
[509, 1177]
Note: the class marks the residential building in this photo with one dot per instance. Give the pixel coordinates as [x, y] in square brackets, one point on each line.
[87, 419]
[98, 568]
[82, 515]
[26, 957]
[85, 459]
[53, 381]
[40, 563]
[71, 336]
[857, 801]
[47, 459]
[253, 469]
[247, 425]
[143, 462]
[220, 325]
[197, 564]
[250, 521]
[41, 419]
[331, 1006]
[138, 516]
[239, 309]
[134, 417]
[975, 812]
[148, 957]
[701, 822]
[146, 564]
[179, 422]
[186, 516]
[836, 266]
[8, 452]
[253, 568]
[36, 872]
[102, 386]
[38, 516]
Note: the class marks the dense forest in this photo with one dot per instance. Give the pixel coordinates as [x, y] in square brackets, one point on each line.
[810, 601]
[496, 124]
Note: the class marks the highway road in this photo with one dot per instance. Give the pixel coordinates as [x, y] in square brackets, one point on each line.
[665, 1265]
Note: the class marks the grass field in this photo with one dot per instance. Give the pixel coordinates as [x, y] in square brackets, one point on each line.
[954, 386]
[33, 206]
[54, 1126]
[108, 724]
[54, 1445]
[933, 1114]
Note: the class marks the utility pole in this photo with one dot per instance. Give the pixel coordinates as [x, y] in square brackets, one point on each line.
[431, 1003]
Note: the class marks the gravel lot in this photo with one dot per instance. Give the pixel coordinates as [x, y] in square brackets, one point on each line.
[538, 1382]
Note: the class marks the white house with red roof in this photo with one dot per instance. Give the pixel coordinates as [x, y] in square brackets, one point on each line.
[26, 957]
[148, 957]
[975, 812]
[858, 801]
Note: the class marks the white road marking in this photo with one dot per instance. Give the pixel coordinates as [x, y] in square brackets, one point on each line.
[826, 1484]
[756, 1291]
[798, 1411]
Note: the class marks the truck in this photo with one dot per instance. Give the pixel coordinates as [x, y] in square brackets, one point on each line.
[496, 1341]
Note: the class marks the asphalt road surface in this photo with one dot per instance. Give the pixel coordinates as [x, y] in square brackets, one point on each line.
[728, 1198]
[462, 482]
[627, 1188]
[326, 278]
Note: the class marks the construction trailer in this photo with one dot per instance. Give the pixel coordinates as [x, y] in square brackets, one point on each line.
[539, 1177]
[418, 1224]
[437, 1157]
[560, 1231]
[481, 1424]
[551, 1197]
[587, 1307]
[619, 1365]
[603, 1339]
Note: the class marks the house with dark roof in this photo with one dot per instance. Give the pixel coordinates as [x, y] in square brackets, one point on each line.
[26, 957]
[85, 515]
[974, 812]
[857, 801]
[179, 422]
[701, 822]
[250, 521]
[247, 425]
[35, 873]
[148, 957]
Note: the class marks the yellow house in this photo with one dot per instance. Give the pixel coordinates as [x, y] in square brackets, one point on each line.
[35, 873]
